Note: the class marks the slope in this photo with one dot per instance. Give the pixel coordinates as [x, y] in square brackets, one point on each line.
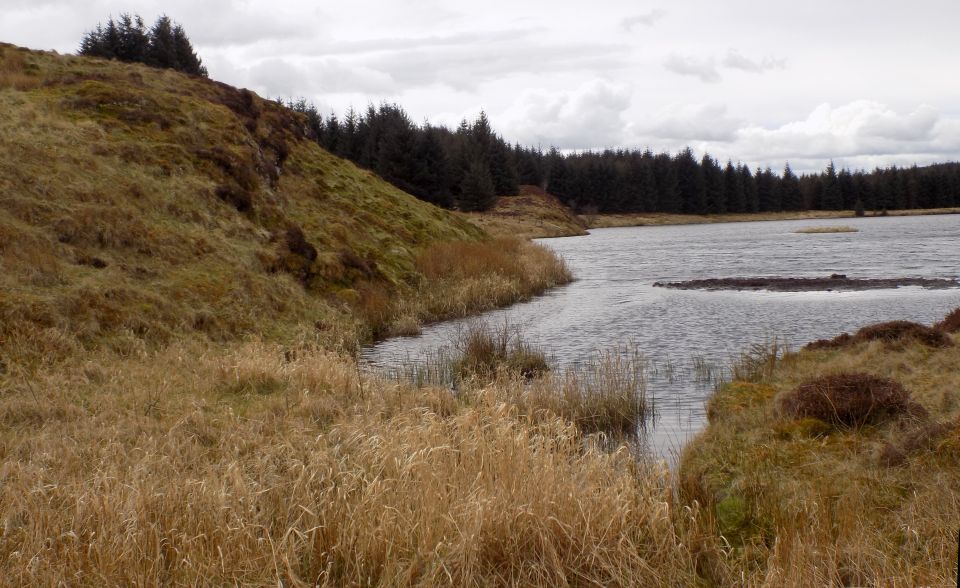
[138, 204]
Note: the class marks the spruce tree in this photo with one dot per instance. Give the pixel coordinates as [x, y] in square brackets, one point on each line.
[830, 196]
[476, 189]
[790, 196]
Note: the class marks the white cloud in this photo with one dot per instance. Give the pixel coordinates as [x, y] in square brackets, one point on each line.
[694, 122]
[704, 69]
[647, 19]
[592, 116]
[736, 60]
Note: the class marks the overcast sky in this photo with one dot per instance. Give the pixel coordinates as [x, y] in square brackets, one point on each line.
[864, 82]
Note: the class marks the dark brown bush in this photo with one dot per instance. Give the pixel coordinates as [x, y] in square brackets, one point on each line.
[236, 196]
[241, 171]
[893, 333]
[849, 399]
[297, 243]
[950, 323]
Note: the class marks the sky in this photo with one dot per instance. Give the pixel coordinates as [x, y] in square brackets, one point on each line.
[864, 83]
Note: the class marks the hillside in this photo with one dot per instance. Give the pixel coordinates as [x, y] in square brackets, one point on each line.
[533, 213]
[137, 203]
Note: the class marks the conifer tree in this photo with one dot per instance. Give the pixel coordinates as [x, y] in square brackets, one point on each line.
[830, 196]
[790, 196]
[476, 189]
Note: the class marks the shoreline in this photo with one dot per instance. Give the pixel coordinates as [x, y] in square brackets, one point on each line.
[608, 221]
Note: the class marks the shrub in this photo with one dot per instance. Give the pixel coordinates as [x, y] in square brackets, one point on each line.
[950, 323]
[848, 399]
[893, 333]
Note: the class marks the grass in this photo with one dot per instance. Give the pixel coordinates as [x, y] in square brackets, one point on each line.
[662, 218]
[142, 206]
[821, 230]
[532, 214]
[185, 279]
[803, 497]
[257, 463]
[460, 279]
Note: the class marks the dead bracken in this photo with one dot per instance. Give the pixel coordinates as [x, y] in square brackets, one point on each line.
[893, 333]
[852, 400]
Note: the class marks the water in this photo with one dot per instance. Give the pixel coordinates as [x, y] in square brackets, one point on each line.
[682, 332]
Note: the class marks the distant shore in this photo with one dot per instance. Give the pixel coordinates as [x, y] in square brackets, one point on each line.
[602, 221]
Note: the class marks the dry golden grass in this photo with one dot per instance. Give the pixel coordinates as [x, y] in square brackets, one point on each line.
[661, 218]
[808, 503]
[820, 230]
[260, 464]
[465, 278]
[531, 214]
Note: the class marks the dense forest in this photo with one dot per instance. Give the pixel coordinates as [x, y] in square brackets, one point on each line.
[469, 166]
[164, 45]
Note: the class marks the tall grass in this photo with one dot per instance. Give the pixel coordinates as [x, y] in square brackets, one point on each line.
[463, 278]
[261, 464]
[606, 393]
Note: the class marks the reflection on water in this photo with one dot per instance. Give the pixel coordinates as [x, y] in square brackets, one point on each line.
[689, 335]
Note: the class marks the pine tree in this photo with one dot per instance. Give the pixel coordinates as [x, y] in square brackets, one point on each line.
[163, 48]
[133, 39]
[790, 196]
[187, 60]
[693, 196]
[476, 189]
[733, 189]
[830, 196]
[715, 195]
[503, 169]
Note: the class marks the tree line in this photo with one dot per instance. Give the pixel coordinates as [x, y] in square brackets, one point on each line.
[164, 45]
[465, 168]
[469, 167]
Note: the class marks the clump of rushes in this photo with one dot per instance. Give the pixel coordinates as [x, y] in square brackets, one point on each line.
[484, 354]
[850, 400]
[606, 394]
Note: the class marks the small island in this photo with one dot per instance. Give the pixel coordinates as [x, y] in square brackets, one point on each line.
[829, 283]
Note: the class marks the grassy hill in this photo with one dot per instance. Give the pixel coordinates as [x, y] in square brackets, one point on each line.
[137, 204]
[533, 213]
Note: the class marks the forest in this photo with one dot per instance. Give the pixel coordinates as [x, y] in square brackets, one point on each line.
[469, 167]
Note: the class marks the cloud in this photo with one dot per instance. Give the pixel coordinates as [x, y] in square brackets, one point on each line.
[861, 130]
[698, 122]
[736, 60]
[705, 69]
[283, 77]
[647, 19]
[468, 66]
[592, 116]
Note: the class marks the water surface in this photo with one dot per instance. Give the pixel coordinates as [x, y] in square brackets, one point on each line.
[613, 300]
